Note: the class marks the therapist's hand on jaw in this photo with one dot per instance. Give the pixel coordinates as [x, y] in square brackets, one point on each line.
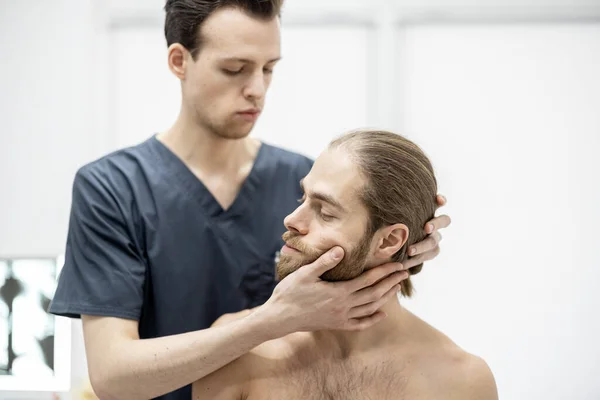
[304, 302]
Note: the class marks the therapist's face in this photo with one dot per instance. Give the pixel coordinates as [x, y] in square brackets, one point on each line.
[331, 213]
[224, 88]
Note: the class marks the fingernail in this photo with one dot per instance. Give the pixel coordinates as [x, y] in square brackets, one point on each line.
[337, 254]
[430, 228]
[412, 251]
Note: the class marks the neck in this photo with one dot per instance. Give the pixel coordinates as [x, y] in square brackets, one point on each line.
[394, 328]
[201, 149]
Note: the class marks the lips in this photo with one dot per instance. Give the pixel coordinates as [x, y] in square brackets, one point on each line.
[249, 115]
[291, 247]
[292, 241]
[252, 111]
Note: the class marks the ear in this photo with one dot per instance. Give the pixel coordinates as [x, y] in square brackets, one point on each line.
[390, 240]
[178, 57]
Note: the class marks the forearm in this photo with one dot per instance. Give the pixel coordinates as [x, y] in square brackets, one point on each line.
[142, 369]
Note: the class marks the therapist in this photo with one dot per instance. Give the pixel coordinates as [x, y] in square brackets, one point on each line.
[167, 236]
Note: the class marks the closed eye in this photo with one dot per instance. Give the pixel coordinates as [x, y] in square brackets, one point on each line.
[318, 209]
[232, 72]
[326, 217]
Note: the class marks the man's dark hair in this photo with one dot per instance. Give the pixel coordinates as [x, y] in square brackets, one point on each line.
[185, 17]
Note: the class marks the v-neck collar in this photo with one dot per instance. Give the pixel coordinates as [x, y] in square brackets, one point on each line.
[195, 188]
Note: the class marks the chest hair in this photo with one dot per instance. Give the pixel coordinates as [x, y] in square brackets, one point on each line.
[344, 380]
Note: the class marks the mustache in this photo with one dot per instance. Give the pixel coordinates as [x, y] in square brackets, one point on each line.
[293, 240]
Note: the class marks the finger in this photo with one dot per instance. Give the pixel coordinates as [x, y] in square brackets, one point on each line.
[366, 322]
[327, 261]
[371, 308]
[441, 222]
[372, 276]
[376, 292]
[421, 258]
[429, 243]
[441, 200]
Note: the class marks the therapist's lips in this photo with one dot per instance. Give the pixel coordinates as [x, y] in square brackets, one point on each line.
[250, 114]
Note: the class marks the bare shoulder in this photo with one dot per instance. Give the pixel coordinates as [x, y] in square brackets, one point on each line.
[480, 379]
[459, 375]
[467, 376]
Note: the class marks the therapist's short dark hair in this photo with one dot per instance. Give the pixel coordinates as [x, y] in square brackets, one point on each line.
[185, 17]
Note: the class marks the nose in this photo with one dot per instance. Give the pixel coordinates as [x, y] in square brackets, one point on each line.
[295, 222]
[256, 87]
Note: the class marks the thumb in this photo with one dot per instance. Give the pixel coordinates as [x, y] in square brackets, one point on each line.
[324, 263]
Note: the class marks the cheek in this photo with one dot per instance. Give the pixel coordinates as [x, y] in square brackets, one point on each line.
[328, 238]
[268, 82]
[348, 234]
[211, 88]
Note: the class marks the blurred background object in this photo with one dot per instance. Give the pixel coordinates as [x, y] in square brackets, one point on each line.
[504, 96]
[35, 347]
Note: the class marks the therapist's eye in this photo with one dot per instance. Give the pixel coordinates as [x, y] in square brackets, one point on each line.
[232, 72]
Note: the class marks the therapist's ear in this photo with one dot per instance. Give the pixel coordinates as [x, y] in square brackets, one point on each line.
[178, 60]
[390, 241]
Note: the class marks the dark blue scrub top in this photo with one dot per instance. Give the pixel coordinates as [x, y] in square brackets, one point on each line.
[147, 241]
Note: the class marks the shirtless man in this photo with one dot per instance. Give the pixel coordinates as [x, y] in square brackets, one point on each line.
[369, 192]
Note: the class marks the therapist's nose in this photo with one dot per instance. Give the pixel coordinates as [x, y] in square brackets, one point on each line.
[295, 222]
[256, 88]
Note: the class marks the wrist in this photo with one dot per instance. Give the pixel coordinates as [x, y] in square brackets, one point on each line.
[268, 323]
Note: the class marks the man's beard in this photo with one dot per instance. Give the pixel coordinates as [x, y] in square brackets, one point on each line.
[351, 266]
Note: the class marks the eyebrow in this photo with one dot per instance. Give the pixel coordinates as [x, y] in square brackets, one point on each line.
[245, 60]
[324, 197]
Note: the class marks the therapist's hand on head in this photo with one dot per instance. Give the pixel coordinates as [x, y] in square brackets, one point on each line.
[429, 248]
[304, 302]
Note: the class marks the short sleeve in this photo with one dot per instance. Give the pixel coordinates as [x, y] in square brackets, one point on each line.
[104, 271]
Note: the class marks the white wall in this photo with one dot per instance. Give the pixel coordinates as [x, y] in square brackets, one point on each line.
[509, 116]
[48, 129]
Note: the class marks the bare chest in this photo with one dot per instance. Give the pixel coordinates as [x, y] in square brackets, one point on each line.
[320, 380]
